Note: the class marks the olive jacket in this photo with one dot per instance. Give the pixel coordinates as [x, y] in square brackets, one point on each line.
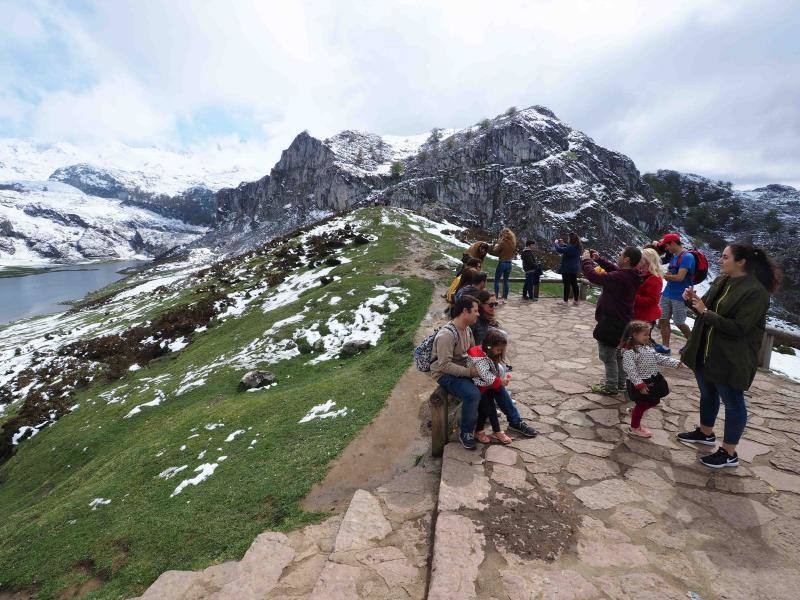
[725, 340]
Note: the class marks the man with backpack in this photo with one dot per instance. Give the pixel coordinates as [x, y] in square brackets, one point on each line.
[451, 368]
[680, 275]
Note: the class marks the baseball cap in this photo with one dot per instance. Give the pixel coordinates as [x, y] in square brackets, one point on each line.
[670, 237]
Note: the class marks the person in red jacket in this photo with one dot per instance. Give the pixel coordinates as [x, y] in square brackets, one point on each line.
[646, 304]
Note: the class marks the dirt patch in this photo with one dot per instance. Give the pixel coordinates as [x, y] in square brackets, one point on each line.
[537, 525]
[90, 584]
[396, 437]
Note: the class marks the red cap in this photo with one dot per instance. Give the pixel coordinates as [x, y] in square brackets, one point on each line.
[670, 237]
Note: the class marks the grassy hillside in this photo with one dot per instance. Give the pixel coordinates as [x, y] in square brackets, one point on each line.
[133, 450]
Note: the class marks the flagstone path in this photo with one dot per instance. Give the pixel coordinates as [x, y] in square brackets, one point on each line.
[584, 511]
[581, 512]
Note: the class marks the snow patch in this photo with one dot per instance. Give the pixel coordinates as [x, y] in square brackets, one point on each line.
[323, 411]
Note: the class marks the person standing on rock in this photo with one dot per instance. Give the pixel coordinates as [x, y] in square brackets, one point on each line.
[646, 305]
[570, 266]
[533, 272]
[723, 347]
[505, 250]
[679, 277]
[614, 311]
[476, 251]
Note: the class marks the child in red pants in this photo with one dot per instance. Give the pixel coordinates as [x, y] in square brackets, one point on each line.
[645, 384]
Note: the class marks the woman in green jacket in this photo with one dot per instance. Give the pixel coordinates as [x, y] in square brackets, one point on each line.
[723, 348]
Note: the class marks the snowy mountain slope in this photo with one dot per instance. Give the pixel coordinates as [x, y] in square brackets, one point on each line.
[47, 221]
[524, 169]
[151, 170]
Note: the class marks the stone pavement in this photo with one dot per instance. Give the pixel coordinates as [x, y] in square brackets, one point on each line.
[584, 511]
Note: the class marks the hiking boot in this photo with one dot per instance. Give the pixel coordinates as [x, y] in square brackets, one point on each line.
[467, 440]
[720, 459]
[697, 437]
[662, 349]
[523, 428]
[604, 390]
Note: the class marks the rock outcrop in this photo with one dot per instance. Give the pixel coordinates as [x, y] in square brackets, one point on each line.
[715, 214]
[526, 169]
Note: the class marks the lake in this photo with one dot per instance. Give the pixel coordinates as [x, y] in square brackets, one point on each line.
[31, 292]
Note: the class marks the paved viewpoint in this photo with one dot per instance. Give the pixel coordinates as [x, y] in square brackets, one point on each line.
[581, 512]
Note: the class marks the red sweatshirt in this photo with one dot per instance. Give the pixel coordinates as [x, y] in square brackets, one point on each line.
[645, 305]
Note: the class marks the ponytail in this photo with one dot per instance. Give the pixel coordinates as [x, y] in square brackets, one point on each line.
[760, 264]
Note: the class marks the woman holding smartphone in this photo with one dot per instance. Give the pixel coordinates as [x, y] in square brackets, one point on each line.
[723, 347]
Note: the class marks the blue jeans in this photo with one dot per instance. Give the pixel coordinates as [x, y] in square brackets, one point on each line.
[735, 407]
[531, 287]
[503, 269]
[471, 398]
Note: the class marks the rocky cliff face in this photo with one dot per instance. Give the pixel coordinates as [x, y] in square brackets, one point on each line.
[715, 214]
[195, 205]
[525, 170]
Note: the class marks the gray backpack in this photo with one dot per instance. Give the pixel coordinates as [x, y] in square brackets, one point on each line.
[423, 354]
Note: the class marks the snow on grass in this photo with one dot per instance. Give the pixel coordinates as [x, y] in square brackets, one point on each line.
[213, 426]
[234, 434]
[160, 397]
[204, 471]
[323, 411]
[786, 364]
[335, 300]
[178, 344]
[170, 472]
[98, 502]
[190, 385]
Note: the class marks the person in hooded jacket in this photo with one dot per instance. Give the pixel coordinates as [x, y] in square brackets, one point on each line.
[614, 310]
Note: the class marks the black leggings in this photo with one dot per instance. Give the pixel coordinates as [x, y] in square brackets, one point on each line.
[487, 410]
[570, 282]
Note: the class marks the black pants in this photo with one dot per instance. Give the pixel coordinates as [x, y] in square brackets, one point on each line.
[487, 410]
[570, 284]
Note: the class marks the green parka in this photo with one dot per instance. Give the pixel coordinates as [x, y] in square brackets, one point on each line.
[734, 323]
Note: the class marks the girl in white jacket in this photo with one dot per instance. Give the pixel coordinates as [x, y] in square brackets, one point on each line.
[489, 359]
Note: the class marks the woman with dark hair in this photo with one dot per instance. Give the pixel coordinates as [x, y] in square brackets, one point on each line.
[487, 305]
[723, 348]
[570, 265]
[476, 283]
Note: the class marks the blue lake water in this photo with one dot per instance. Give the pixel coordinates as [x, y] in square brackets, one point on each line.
[42, 292]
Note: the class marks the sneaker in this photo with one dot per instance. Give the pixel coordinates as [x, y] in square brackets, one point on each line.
[662, 349]
[601, 389]
[467, 440]
[720, 459]
[523, 428]
[697, 437]
[535, 299]
[640, 431]
[575, 303]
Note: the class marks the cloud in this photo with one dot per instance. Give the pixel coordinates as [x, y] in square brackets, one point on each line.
[709, 87]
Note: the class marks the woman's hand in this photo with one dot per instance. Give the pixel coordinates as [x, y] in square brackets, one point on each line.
[697, 304]
[681, 366]
[594, 254]
[586, 255]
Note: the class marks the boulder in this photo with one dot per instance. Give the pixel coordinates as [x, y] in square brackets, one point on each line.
[392, 282]
[256, 379]
[353, 347]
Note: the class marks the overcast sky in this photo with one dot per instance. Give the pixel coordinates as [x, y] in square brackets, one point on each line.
[706, 87]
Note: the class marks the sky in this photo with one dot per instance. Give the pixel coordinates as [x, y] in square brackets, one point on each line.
[708, 87]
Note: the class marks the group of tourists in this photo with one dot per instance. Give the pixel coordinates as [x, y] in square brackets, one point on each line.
[468, 355]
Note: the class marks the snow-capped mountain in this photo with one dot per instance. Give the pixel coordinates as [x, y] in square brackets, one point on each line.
[64, 203]
[525, 169]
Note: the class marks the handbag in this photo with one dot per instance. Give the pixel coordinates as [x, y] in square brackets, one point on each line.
[608, 330]
[658, 386]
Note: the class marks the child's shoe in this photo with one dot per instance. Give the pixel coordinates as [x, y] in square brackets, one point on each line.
[482, 438]
[640, 431]
[500, 437]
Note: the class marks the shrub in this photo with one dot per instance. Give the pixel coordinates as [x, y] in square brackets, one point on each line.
[436, 134]
[511, 111]
[396, 169]
[570, 155]
[450, 143]
[423, 155]
[468, 134]
[485, 124]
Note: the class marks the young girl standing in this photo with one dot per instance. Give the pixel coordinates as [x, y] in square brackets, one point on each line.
[645, 385]
[489, 359]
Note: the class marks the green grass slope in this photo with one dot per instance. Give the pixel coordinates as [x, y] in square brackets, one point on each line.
[170, 466]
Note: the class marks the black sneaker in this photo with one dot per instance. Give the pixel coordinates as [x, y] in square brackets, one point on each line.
[467, 440]
[523, 428]
[697, 437]
[720, 459]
